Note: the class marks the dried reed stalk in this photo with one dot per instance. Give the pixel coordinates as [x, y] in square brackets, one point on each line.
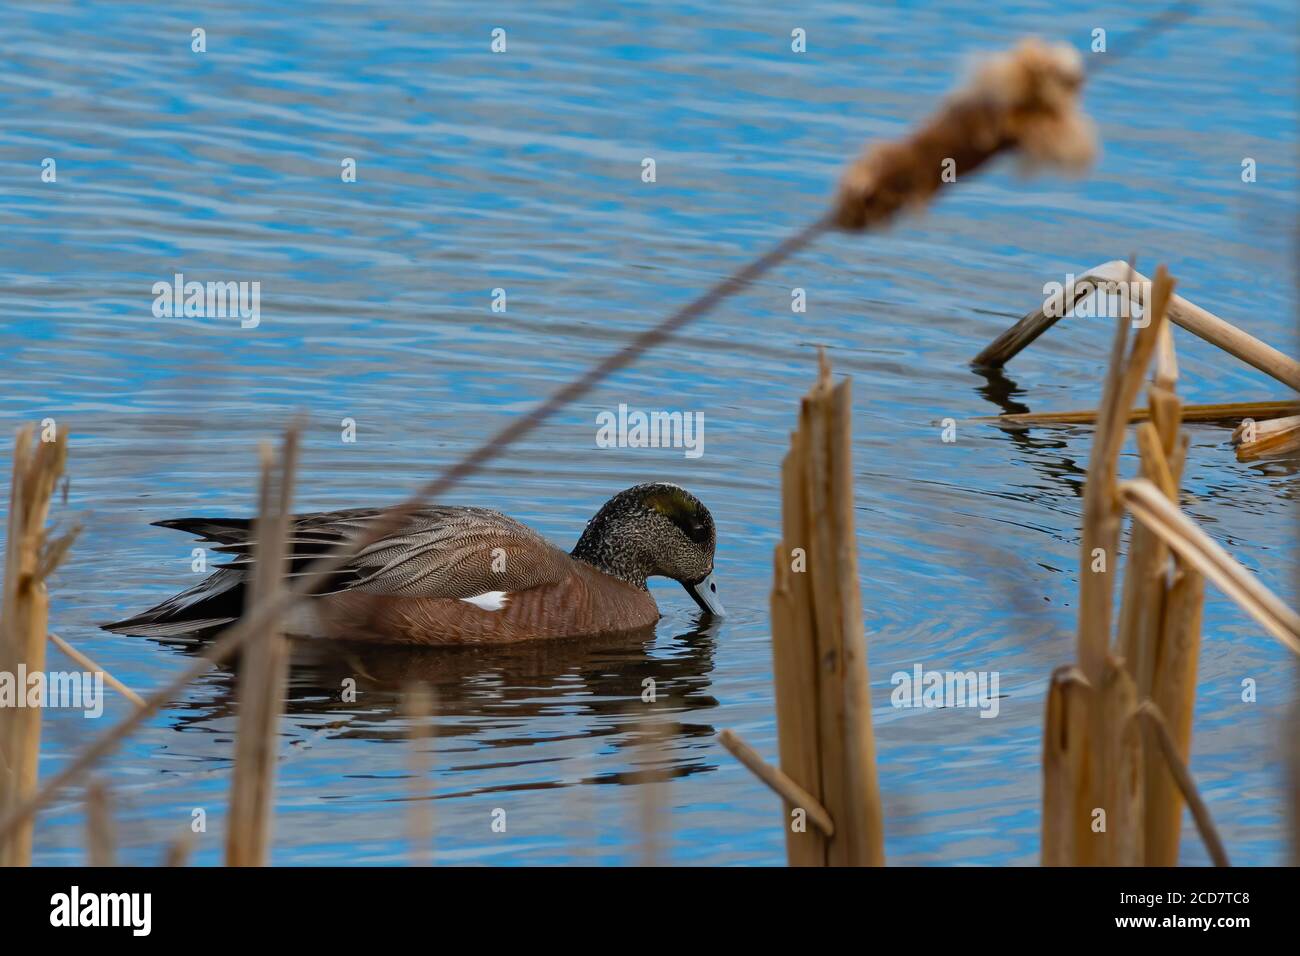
[1200, 322]
[1228, 411]
[1159, 631]
[1119, 756]
[1204, 554]
[24, 614]
[1024, 99]
[1148, 559]
[865, 827]
[1253, 431]
[1277, 438]
[1110, 780]
[179, 850]
[263, 670]
[418, 704]
[1101, 519]
[850, 792]
[1144, 574]
[81, 660]
[1174, 693]
[1064, 751]
[819, 647]
[1168, 749]
[651, 792]
[99, 825]
[794, 660]
[1165, 602]
[795, 796]
[1291, 744]
[1166, 373]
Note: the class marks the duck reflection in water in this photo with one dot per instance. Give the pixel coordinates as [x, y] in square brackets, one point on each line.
[519, 695]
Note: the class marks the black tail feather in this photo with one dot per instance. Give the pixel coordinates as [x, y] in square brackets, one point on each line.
[215, 601]
[225, 530]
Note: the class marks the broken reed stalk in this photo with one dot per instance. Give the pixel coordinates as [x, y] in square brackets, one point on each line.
[263, 669]
[794, 663]
[179, 850]
[1117, 770]
[652, 797]
[81, 660]
[1275, 438]
[418, 704]
[1252, 431]
[1176, 763]
[1167, 648]
[99, 825]
[819, 643]
[1109, 752]
[794, 795]
[1064, 744]
[1228, 411]
[24, 614]
[1291, 746]
[1092, 751]
[1159, 625]
[1101, 519]
[1207, 557]
[1200, 322]
[1025, 98]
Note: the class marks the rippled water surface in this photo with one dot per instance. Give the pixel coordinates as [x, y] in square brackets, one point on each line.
[522, 171]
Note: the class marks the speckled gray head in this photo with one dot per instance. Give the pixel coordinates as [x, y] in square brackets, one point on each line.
[655, 529]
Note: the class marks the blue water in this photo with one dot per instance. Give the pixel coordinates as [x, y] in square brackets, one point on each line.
[522, 171]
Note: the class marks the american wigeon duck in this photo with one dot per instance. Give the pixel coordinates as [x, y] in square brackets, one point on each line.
[454, 575]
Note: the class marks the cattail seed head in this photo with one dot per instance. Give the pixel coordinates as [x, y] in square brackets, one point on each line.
[1025, 99]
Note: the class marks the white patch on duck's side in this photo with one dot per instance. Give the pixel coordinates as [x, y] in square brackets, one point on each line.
[303, 620]
[489, 600]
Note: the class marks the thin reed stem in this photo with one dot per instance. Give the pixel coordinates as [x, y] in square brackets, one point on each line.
[795, 796]
[85, 662]
[1149, 712]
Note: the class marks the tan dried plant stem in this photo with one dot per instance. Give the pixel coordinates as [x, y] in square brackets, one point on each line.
[24, 615]
[1171, 759]
[418, 704]
[1200, 322]
[795, 796]
[88, 664]
[1227, 411]
[1102, 514]
[1273, 438]
[1092, 759]
[100, 839]
[828, 758]
[263, 670]
[1207, 556]
[1069, 702]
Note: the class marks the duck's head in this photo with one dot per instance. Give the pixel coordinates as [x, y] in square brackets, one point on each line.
[655, 529]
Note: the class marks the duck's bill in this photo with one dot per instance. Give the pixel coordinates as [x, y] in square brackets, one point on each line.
[705, 593]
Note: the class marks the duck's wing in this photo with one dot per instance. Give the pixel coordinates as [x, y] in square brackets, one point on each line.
[435, 552]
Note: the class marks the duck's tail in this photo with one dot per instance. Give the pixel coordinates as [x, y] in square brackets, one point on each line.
[211, 604]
